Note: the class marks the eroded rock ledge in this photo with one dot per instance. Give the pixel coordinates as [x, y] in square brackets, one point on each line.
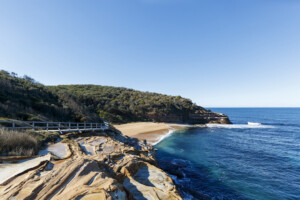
[101, 166]
[198, 117]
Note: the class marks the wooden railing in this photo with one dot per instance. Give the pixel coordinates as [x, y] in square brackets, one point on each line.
[54, 126]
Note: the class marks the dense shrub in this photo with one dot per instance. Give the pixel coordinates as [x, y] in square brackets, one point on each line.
[24, 143]
[16, 143]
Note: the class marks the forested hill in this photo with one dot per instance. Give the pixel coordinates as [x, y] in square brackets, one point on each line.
[125, 105]
[25, 99]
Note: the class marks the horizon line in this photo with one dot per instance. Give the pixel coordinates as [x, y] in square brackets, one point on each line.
[251, 106]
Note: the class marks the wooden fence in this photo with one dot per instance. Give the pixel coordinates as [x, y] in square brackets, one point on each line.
[54, 126]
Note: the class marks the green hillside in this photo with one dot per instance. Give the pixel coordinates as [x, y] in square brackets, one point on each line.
[126, 105]
[23, 98]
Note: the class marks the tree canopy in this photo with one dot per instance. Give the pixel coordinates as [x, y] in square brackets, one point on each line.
[23, 98]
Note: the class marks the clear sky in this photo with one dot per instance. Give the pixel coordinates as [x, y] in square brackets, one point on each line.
[219, 53]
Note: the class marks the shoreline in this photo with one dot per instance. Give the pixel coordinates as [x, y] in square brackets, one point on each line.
[152, 132]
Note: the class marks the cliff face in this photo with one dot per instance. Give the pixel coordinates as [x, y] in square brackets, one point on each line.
[209, 117]
[99, 166]
[203, 117]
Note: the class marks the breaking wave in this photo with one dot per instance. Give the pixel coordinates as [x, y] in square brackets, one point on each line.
[163, 137]
[240, 126]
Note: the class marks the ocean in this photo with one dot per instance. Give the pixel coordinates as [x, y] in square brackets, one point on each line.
[258, 157]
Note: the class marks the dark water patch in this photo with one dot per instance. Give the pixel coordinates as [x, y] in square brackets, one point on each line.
[237, 163]
[282, 124]
[185, 173]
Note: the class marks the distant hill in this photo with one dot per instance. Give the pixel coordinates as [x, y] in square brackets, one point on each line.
[23, 98]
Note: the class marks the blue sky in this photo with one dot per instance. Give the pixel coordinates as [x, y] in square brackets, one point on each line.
[219, 53]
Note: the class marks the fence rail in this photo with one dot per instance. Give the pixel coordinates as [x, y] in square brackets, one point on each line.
[53, 126]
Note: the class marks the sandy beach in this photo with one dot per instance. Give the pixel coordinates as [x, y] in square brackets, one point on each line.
[149, 131]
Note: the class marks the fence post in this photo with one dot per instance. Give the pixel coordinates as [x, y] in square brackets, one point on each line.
[33, 125]
[69, 125]
[58, 125]
[77, 126]
[13, 124]
[47, 124]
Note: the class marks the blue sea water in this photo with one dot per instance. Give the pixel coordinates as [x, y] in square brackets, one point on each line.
[240, 161]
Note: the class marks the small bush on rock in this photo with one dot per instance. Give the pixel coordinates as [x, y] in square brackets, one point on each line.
[17, 143]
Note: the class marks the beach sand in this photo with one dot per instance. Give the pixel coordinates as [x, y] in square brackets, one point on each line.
[149, 131]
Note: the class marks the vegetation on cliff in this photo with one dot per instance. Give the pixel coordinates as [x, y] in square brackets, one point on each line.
[120, 105]
[23, 98]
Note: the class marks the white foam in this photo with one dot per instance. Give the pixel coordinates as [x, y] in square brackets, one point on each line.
[254, 123]
[163, 137]
[227, 126]
[240, 126]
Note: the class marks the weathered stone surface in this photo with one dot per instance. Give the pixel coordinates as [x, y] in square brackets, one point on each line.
[149, 182]
[61, 150]
[119, 168]
[10, 170]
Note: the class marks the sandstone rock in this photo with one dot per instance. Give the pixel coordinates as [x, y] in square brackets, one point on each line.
[118, 168]
[149, 182]
[198, 117]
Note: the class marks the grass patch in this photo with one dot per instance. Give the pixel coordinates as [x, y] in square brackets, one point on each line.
[15, 143]
[24, 143]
